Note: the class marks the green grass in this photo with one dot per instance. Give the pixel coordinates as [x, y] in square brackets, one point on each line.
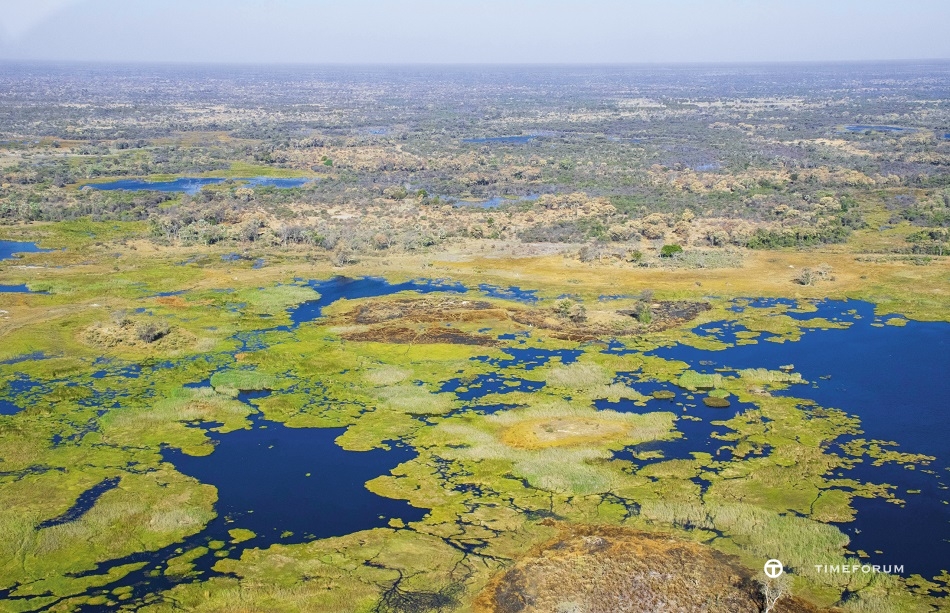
[578, 376]
[231, 382]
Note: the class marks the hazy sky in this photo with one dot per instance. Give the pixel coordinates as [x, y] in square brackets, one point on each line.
[464, 31]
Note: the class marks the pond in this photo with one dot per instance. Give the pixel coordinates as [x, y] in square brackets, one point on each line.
[286, 485]
[17, 289]
[193, 185]
[275, 480]
[9, 249]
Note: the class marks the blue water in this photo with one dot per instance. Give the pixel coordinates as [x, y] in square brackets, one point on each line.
[26, 357]
[874, 128]
[696, 435]
[15, 289]
[272, 182]
[8, 408]
[192, 185]
[9, 249]
[510, 293]
[895, 379]
[504, 140]
[261, 475]
[83, 503]
[262, 482]
[484, 384]
[531, 358]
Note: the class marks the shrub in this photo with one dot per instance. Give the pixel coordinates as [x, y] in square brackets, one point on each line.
[634, 256]
[395, 192]
[569, 309]
[152, 331]
[811, 276]
[643, 313]
[669, 251]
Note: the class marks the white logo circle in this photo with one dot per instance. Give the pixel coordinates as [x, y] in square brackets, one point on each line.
[774, 569]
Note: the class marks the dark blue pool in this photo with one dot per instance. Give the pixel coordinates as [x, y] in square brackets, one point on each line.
[193, 185]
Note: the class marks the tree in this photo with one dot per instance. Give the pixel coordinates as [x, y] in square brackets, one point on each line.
[773, 590]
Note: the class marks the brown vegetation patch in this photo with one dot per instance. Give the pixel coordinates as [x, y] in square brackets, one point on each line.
[407, 336]
[663, 316]
[600, 569]
[176, 302]
[424, 311]
[666, 314]
[561, 432]
[600, 324]
[124, 332]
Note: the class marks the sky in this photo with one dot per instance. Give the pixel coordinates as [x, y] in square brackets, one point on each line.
[473, 31]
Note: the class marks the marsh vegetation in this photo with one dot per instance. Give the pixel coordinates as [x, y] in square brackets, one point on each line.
[633, 350]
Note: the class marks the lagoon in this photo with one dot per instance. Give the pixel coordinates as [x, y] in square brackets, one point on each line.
[193, 185]
[894, 378]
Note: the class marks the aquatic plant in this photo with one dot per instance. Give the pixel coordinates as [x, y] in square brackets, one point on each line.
[716, 402]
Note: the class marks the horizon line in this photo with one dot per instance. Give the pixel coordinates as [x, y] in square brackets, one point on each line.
[383, 64]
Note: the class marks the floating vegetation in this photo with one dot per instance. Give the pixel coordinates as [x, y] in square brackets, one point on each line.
[231, 382]
[716, 402]
[693, 381]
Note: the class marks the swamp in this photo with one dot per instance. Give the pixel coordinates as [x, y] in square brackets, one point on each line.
[593, 341]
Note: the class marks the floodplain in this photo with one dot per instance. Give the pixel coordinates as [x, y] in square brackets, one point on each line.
[207, 404]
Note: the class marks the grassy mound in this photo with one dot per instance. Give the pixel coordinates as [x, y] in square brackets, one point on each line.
[617, 570]
[716, 402]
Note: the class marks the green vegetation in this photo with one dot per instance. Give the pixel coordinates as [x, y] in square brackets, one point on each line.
[669, 251]
[641, 219]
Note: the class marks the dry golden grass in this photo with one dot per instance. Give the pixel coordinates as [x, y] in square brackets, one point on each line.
[562, 432]
[921, 292]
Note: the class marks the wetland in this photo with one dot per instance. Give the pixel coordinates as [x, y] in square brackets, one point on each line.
[633, 340]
